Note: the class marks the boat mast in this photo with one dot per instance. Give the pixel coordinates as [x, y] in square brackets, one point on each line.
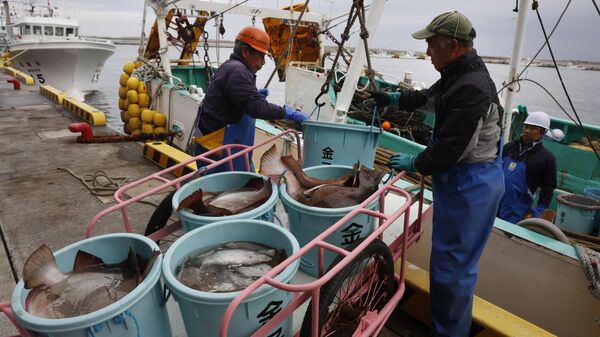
[517, 51]
[359, 58]
[161, 13]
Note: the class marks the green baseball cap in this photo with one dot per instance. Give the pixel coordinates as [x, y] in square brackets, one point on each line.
[452, 24]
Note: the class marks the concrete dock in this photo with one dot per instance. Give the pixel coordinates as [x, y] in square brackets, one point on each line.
[41, 204]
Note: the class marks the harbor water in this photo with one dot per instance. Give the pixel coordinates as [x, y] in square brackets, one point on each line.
[583, 85]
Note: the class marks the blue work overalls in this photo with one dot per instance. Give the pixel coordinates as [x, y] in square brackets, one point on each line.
[517, 199]
[238, 133]
[466, 202]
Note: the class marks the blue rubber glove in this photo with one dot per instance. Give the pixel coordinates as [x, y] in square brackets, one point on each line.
[403, 162]
[292, 114]
[264, 92]
[538, 210]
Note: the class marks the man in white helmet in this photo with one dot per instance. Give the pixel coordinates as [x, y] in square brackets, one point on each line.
[529, 170]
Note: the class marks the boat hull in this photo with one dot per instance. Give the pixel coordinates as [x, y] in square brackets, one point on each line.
[71, 66]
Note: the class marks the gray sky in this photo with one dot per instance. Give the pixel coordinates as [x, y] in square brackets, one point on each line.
[576, 38]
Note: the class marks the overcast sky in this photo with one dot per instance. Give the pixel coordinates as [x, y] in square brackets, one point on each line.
[576, 38]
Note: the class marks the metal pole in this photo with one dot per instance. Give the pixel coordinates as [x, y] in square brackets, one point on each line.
[513, 71]
[162, 38]
[359, 58]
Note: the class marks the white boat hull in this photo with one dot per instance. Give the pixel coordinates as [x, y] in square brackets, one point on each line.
[71, 66]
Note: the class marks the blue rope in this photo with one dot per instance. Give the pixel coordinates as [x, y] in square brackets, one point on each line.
[318, 110]
[138, 331]
[375, 113]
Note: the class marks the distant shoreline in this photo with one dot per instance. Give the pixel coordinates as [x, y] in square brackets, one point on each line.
[570, 64]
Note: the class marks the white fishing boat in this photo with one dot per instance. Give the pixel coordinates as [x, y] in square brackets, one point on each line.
[50, 49]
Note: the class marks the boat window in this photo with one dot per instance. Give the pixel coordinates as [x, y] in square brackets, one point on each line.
[37, 30]
[48, 30]
[60, 31]
[76, 31]
[27, 29]
[69, 31]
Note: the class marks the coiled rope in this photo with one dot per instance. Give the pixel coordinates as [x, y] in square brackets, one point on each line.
[590, 261]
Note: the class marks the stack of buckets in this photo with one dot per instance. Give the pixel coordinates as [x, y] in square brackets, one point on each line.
[578, 213]
[330, 148]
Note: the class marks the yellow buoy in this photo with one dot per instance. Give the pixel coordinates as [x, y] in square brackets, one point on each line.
[159, 119]
[139, 64]
[122, 104]
[123, 79]
[125, 116]
[132, 96]
[143, 100]
[142, 88]
[123, 92]
[148, 128]
[134, 110]
[148, 115]
[129, 67]
[159, 129]
[133, 83]
[135, 124]
[136, 132]
[126, 104]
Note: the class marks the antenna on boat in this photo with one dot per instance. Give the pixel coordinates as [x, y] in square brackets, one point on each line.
[513, 73]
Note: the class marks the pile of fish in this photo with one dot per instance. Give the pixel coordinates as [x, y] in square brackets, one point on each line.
[92, 285]
[253, 194]
[326, 193]
[229, 267]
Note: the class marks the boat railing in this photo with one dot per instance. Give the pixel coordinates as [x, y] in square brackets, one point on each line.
[230, 152]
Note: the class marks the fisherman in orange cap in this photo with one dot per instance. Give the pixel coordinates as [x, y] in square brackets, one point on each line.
[232, 103]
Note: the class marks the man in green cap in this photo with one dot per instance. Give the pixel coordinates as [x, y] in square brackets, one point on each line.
[463, 157]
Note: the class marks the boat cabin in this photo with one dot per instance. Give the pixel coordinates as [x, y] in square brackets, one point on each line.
[50, 27]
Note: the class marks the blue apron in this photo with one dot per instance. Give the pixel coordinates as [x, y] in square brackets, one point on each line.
[516, 202]
[466, 202]
[238, 133]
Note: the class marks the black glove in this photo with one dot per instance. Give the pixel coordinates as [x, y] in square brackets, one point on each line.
[381, 98]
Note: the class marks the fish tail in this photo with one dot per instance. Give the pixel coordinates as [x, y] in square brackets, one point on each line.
[41, 269]
[271, 164]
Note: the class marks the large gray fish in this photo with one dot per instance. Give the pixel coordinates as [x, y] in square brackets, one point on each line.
[330, 193]
[230, 267]
[254, 193]
[92, 285]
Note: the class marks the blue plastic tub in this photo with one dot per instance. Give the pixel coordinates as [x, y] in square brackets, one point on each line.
[576, 213]
[202, 312]
[327, 143]
[222, 182]
[307, 222]
[141, 309]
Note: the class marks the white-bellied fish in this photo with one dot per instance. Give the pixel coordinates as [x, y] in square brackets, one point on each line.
[254, 193]
[92, 285]
[326, 193]
[229, 267]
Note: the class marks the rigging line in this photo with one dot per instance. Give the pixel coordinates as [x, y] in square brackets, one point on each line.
[544, 44]
[290, 40]
[535, 7]
[227, 10]
[518, 80]
[596, 5]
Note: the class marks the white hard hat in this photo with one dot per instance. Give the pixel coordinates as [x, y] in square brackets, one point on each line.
[556, 134]
[538, 118]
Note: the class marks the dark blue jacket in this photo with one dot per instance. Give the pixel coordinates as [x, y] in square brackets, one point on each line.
[540, 167]
[467, 115]
[232, 93]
